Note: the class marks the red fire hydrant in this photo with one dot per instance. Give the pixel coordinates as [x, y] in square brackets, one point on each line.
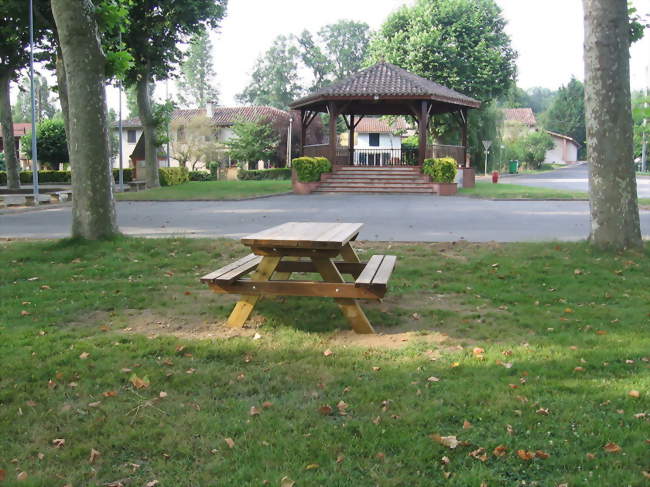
[495, 177]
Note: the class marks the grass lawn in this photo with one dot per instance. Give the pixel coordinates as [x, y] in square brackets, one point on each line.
[535, 357]
[485, 189]
[210, 190]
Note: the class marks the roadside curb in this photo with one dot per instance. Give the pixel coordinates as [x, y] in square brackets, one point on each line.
[206, 199]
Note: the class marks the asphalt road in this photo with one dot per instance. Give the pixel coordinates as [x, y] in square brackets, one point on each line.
[386, 217]
[573, 178]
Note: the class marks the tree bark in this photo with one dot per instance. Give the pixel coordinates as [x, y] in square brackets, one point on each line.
[612, 181]
[93, 209]
[9, 142]
[63, 94]
[152, 178]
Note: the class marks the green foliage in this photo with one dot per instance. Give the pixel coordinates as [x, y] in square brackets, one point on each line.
[2, 162]
[257, 175]
[441, 170]
[127, 175]
[411, 142]
[162, 115]
[46, 106]
[51, 143]
[566, 115]
[200, 176]
[275, 80]
[252, 141]
[530, 148]
[638, 23]
[171, 176]
[539, 98]
[345, 44]
[461, 44]
[640, 111]
[309, 169]
[196, 83]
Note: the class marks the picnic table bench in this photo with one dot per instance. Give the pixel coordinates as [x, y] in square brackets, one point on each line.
[294, 247]
[137, 185]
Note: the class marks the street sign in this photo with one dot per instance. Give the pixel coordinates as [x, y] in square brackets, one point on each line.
[487, 144]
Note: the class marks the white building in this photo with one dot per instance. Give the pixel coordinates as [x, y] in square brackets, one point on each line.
[565, 150]
[377, 142]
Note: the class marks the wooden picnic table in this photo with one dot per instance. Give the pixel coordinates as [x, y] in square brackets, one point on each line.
[301, 247]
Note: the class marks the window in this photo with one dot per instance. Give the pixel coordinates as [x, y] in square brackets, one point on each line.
[130, 136]
[373, 140]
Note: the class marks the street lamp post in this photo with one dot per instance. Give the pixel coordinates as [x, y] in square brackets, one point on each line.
[31, 72]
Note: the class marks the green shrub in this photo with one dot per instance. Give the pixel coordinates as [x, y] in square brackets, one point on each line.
[309, 169]
[200, 176]
[257, 175]
[3, 178]
[127, 174]
[171, 176]
[46, 177]
[441, 170]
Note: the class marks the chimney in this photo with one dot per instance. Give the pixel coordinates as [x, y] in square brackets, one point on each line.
[209, 109]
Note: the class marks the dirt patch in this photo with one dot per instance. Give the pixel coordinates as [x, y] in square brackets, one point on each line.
[385, 338]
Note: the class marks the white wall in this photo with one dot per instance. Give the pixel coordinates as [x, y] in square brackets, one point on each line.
[127, 147]
[386, 141]
[563, 151]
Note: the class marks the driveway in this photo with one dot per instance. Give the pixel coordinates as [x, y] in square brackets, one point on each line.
[572, 178]
[386, 217]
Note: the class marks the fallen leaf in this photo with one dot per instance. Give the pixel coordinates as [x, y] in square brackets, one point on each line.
[328, 352]
[152, 483]
[579, 369]
[448, 441]
[380, 456]
[109, 393]
[257, 336]
[525, 455]
[634, 394]
[510, 430]
[377, 420]
[433, 379]
[541, 454]
[267, 404]
[3, 474]
[254, 411]
[84, 355]
[162, 394]
[543, 411]
[479, 454]
[58, 442]
[230, 442]
[138, 382]
[94, 404]
[455, 364]
[286, 482]
[590, 456]
[25, 313]
[478, 351]
[376, 369]
[342, 406]
[467, 425]
[22, 476]
[612, 448]
[500, 451]
[312, 466]
[94, 455]
[645, 474]
[340, 458]
[325, 410]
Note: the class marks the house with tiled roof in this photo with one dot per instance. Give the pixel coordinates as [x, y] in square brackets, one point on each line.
[520, 121]
[378, 138]
[20, 130]
[213, 125]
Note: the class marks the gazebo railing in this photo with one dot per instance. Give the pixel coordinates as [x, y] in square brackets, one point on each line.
[383, 157]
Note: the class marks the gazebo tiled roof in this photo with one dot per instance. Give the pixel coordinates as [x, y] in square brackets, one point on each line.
[386, 80]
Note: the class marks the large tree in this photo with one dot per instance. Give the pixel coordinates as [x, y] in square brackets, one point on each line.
[156, 31]
[461, 44]
[612, 181]
[566, 114]
[45, 104]
[85, 63]
[196, 84]
[275, 77]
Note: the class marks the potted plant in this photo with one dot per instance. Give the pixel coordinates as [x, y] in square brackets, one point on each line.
[443, 173]
[306, 172]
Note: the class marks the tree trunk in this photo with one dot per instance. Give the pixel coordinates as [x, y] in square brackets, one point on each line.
[612, 181]
[63, 94]
[9, 142]
[148, 132]
[93, 209]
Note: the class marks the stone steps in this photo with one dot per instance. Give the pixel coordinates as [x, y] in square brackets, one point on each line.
[377, 179]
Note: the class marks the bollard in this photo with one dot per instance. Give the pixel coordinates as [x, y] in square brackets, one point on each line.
[495, 177]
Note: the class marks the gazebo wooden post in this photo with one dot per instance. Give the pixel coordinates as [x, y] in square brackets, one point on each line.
[422, 131]
[303, 132]
[463, 129]
[332, 126]
[351, 141]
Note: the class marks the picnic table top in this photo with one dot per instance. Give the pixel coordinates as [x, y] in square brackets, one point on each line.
[306, 235]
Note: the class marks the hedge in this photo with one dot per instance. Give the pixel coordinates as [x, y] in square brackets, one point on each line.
[127, 174]
[309, 169]
[60, 176]
[441, 170]
[259, 174]
[200, 176]
[171, 176]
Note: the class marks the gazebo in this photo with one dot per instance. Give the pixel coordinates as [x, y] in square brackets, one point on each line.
[384, 89]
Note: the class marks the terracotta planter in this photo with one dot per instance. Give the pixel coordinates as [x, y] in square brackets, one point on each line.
[445, 189]
[469, 177]
[305, 188]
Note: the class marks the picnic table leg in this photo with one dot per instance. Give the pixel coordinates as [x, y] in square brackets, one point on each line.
[245, 305]
[349, 307]
[349, 255]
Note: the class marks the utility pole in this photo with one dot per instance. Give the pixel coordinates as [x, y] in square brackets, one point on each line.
[289, 137]
[644, 147]
[31, 72]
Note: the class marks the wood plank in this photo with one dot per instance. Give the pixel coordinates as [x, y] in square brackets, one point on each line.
[243, 269]
[245, 306]
[352, 268]
[282, 252]
[213, 275]
[350, 308]
[316, 235]
[249, 287]
[384, 271]
[369, 271]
